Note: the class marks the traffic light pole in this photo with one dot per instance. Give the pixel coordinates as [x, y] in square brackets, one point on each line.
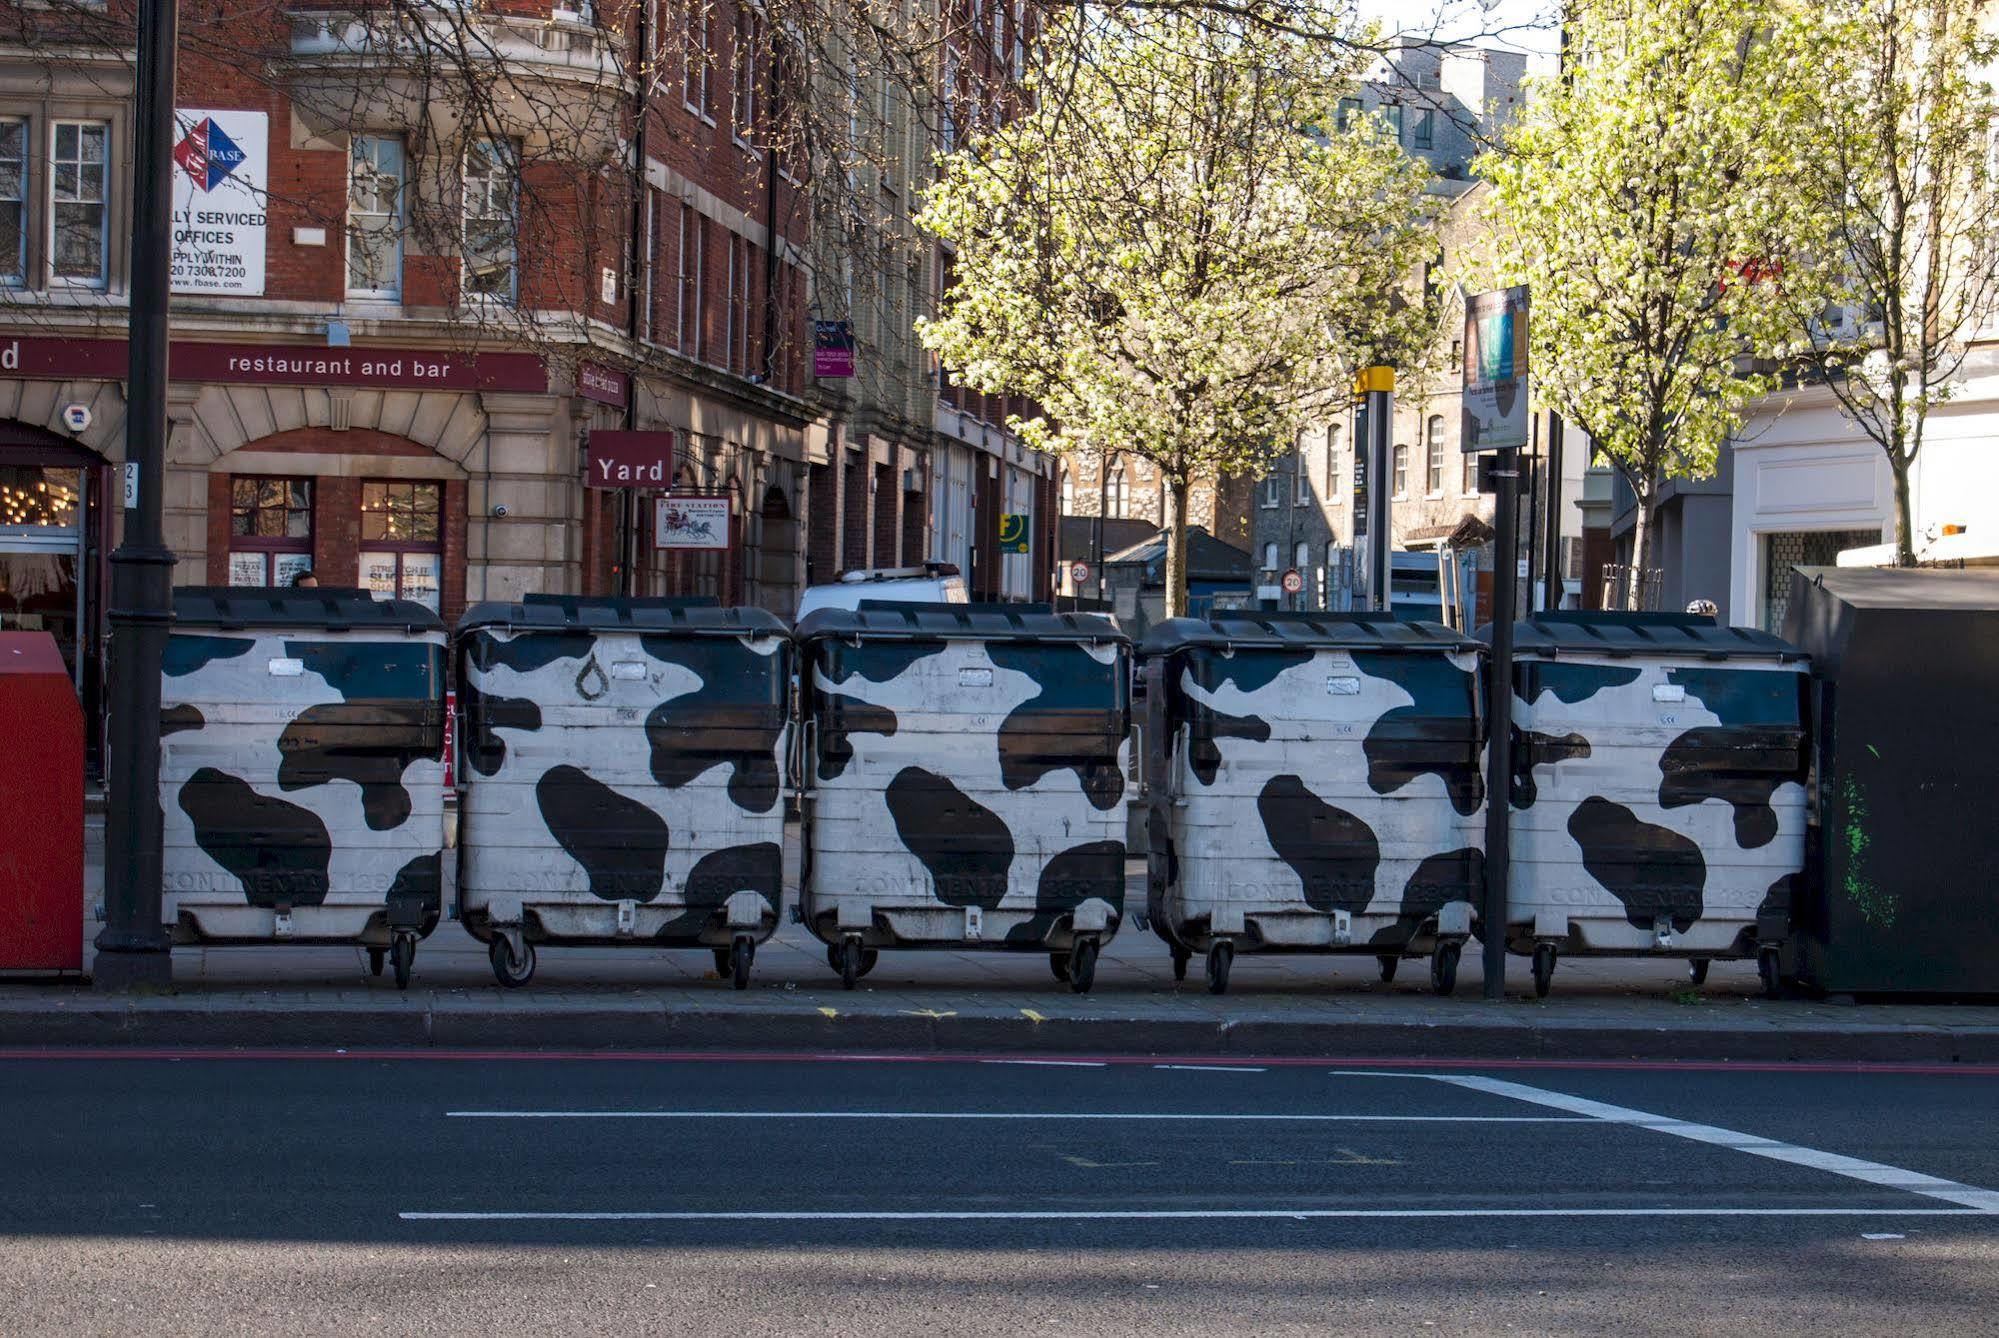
[1379, 385]
[133, 950]
[1505, 474]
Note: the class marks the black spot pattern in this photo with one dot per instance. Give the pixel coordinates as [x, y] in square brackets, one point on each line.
[187, 653]
[1457, 875]
[1077, 720]
[719, 875]
[180, 719]
[839, 715]
[1654, 871]
[1571, 683]
[735, 718]
[1742, 766]
[417, 895]
[370, 747]
[1073, 876]
[620, 843]
[1531, 749]
[278, 851]
[964, 846]
[1334, 853]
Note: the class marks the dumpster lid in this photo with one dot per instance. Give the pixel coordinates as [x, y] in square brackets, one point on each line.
[319, 608]
[1554, 634]
[1306, 631]
[882, 620]
[615, 613]
[1906, 587]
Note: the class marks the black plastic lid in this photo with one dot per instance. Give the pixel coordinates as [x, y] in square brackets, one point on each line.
[316, 608]
[609, 613]
[1632, 635]
[958, 622]
[1305, 631]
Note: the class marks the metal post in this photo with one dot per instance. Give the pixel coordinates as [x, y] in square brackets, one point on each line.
[1499, 718]
[1380, 385]
[1553, 568]
[132, 949]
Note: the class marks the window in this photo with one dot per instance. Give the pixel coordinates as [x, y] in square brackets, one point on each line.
[13, 202]
[693, 245]
[1114, 494]
[1068, 493]
[1301, 474]
[1471, 474]
[1401, 471]
[1270, 491]
[270, 530]
[1348, 106]
[696, 44]
[743, 76]
[1433, 475]
[1270, 557]
[402, 540]
[1301, 557]
[1332, 461]
[375, 217]
[1391, 117]
[490, 252]
[1424, 134]
[78, 161]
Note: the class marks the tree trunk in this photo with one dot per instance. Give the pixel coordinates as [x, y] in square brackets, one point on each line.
[1641, 557]
[1176, 548]
[1905, 536]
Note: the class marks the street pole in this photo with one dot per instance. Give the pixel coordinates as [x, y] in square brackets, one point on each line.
[1499, 718]
[1552, 569]
[132, 949]
[1379, 383]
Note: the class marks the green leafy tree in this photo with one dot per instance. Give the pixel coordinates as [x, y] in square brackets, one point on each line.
[1899, 198]
[1176, 249]
[1644, 196]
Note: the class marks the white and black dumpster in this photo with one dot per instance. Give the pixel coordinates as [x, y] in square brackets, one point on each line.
[621, 775]
[1660, 764]
[1313, 785]
[302, 769]
[963, 781]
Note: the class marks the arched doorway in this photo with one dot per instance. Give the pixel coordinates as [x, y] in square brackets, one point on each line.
[52, 554]
[777, 552]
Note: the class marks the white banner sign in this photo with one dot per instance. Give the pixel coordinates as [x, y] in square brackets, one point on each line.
[1495, 371]
[691, 522]
[221, 188]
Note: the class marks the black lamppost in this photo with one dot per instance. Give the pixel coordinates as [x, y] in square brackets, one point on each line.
[132, 950]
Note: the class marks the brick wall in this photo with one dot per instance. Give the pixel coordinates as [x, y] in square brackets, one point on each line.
[822, 524]
[915, 526]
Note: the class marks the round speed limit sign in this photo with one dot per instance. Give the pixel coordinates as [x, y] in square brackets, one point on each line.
[1294, 581]
[1079, 572]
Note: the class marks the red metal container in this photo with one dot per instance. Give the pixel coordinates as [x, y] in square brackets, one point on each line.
[41, 808]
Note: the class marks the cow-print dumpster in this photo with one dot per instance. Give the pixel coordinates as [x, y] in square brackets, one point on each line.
[1313, 784]
[302, 769]
[1659, 771]
[622, 773]
[964, 781]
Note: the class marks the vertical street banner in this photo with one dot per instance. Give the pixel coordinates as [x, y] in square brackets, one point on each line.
[832, 349]
[1495, 371]
[1015, 532]
[221, 188]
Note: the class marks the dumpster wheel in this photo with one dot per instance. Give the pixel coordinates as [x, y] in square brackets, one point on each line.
[1082, 967]
[1180, 959]
[836, 953]
[509, 970]
[402, 956]
[741, 953]
[723, 965]
[1697, 970]
[1058, 966]
[376, 956]
[1544, 969]
[1388, 965]
[1443, 968]
[1770, 967]
[1219, 956]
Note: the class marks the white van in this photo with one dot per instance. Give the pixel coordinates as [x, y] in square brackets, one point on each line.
[931, 583]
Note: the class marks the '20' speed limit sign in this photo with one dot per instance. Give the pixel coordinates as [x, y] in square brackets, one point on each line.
[1294, 581]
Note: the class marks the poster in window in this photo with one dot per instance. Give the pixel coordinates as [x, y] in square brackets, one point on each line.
[246, 569]
[420, 578]
[221, 183]
[286, 567]
[378, 574]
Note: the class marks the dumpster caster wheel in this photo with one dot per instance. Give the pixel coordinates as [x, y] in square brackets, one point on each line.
[1770, 969]
[376, 956]
[1388, 965]
[1219, 957]
[1082, 968]
[723, 965]
[741, 953]
[402, 956]
[1180, 959]
[1058, 964]
[849, 959]
[1697, 970]
[509, 970]
[1544, 969]
[1443, 968]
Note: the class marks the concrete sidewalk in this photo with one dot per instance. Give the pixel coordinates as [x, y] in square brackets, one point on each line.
[645, 998]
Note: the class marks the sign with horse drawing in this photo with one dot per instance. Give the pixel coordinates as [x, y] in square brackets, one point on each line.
[701, 522]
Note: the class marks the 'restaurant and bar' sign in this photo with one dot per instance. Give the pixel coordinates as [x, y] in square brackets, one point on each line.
[280, 365]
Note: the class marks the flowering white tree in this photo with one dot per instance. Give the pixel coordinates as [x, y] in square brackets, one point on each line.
[1900, 195]
[1644, 198]
[1176, 249]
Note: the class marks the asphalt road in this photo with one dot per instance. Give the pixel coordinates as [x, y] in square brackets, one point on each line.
[524, 1194]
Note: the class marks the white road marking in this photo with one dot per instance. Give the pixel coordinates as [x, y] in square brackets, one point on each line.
[1187, 1214]
[1211, 1068]
[1853, 1168]
[1050, 1063]
[1051, 1115]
